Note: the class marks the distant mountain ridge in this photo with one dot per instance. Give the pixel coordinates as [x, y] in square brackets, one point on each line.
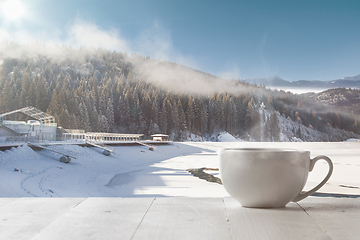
[277, 81]
[346, 99]
[354, 78]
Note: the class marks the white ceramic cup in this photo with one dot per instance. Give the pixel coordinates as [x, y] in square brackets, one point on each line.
[267, 177]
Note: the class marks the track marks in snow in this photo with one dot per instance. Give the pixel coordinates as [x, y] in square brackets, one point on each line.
[28, 183]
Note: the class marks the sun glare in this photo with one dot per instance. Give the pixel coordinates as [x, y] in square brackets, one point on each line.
[12, 9]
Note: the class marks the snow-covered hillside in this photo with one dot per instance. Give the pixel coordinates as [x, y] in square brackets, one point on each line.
[131, 171]
[288, 130]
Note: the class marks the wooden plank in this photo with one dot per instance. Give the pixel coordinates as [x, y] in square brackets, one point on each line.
[184, 218]
[339, 217]
[176, 218]
[26, 217]
[99, 218]
[290, 222]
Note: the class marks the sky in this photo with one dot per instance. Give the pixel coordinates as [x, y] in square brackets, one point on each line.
[310, 40]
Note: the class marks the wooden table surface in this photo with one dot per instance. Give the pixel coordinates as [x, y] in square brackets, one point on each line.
[176, 218]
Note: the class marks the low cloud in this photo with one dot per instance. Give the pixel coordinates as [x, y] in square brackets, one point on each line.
[83, 33]
[79, 34]
[155, 42]
[232, 73]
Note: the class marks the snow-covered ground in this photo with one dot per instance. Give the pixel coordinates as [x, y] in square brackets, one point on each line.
[131, 171]
[134, 171]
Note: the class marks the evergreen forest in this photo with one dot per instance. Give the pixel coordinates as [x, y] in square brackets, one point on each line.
[103, 91]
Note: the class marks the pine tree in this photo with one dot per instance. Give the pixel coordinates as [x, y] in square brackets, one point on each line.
[166, 118]
[298, 133]
[145, 113]
[154, 123]
[211, 123]
[124, 114]
[252, 121]
[64, 118]
[42, 94]
[274, 128]
[84, 117]
[95, 91]
[102, 103]
[103, 123]
[182, 120]
[231, 119]
[31, 99]
[356, 126]
[199, 117]
[219, 112]
[110, 115]
[190, 115]
[176, 120]
[24, 90]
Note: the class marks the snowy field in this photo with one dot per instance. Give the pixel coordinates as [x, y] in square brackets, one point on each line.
[134, 171]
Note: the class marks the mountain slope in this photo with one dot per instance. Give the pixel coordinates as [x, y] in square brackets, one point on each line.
[346, 99]
[107, 91]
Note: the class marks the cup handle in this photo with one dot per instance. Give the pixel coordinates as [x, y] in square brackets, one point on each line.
[301, 196]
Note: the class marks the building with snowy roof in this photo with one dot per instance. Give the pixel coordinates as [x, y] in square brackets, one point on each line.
[41, 126]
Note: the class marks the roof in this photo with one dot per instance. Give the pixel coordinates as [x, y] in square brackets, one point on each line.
[113, 134]
[159, 135]
[34, 113]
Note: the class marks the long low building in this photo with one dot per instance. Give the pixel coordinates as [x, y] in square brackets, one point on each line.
[100, 136]
[43, 128]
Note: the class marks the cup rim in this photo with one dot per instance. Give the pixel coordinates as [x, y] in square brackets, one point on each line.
[265, 149]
